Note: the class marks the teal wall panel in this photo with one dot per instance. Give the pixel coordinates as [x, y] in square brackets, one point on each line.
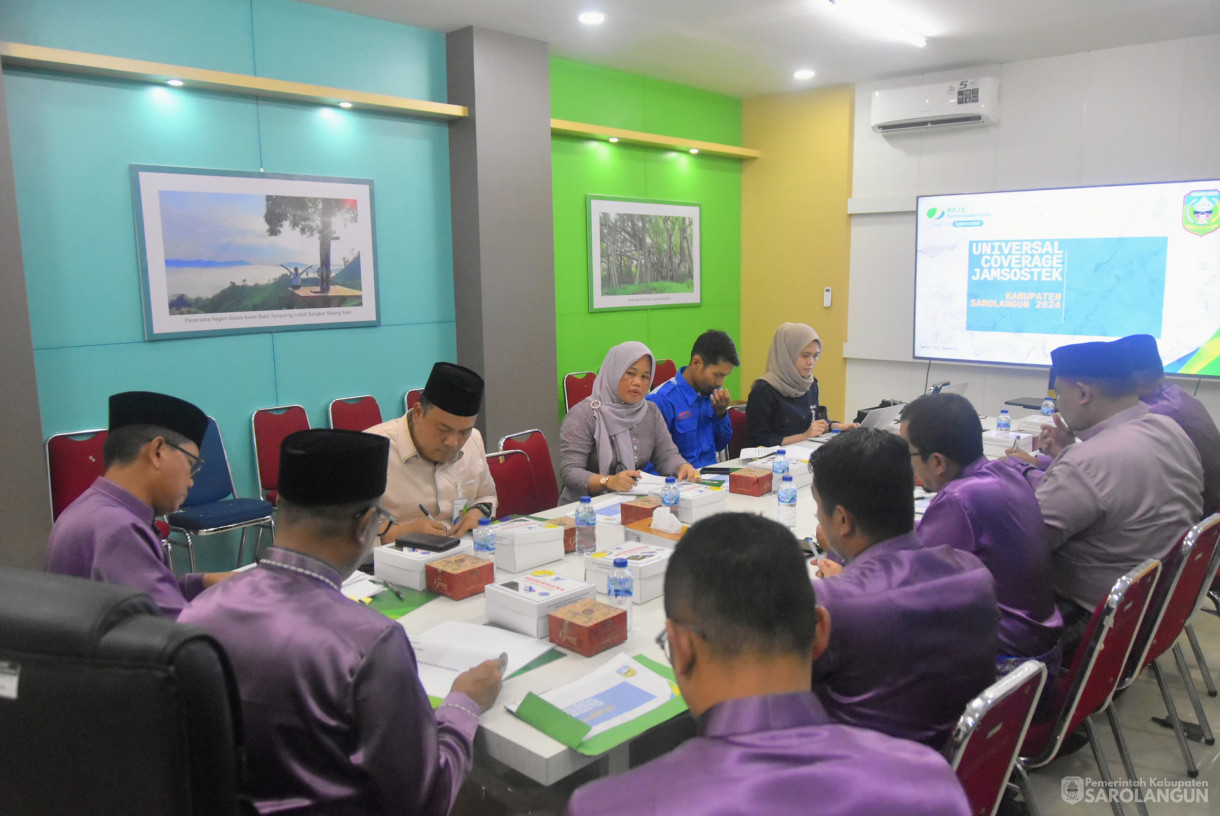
[74, 139]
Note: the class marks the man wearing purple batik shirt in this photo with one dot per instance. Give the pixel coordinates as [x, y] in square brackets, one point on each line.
[988, 509]
[335, 717]
[151, 456]
[915, 627]
[742, 630]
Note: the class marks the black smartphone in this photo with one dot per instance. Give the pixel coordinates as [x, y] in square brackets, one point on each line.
[712, 469]
[427, 541]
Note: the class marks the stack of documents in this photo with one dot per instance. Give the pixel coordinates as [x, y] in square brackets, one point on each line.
[450, 648]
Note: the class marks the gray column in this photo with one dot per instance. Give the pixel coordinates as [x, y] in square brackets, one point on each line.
[25, 505]
[503, 241]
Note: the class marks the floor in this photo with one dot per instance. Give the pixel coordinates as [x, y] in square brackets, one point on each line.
[492, 791]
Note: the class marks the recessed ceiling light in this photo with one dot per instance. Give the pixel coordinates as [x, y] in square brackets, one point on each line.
[592, 18]
[694, 150]
[613, 139]
[804, 73]
[177, 83]
[345, 104]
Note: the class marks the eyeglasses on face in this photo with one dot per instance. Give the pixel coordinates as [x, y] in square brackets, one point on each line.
[196, 461]
[387, 518]
[662, 640]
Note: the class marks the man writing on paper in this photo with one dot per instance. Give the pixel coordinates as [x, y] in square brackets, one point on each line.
[1126, 491]
[916, 625]
[695, 404]
[436, 458]
[988, 509]
[742, 630]
[151, 457]
[335, 717]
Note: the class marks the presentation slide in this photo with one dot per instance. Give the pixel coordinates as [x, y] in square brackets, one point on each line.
[1006, 277]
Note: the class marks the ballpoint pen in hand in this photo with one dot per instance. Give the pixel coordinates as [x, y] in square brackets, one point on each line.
[391, 587]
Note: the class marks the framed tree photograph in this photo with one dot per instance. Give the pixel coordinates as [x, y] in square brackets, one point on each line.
[642, 254]
[225, 252]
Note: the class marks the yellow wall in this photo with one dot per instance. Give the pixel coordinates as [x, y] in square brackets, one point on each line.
[795, 232]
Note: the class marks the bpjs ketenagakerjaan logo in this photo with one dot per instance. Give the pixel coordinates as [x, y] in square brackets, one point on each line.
[1200, 211]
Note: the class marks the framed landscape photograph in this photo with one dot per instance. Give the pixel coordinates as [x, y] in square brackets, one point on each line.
[642, 254]
[224, 252]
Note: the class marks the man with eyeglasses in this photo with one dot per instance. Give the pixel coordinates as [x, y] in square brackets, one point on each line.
[742, 631]
[151, 456]
[335, 717]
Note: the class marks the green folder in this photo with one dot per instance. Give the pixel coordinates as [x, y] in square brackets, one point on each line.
[566, 729]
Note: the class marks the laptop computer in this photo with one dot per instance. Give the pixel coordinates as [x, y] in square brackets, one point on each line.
[882, 417]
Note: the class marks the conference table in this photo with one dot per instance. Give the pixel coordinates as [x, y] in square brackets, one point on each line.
[527, 750]
[519, 745]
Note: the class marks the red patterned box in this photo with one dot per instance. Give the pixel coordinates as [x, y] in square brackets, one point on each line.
[750, 482]
[641, 508]
[568, 523]
[459, 576]
[588, 627]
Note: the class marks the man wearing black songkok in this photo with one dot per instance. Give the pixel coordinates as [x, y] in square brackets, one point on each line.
[437, 458]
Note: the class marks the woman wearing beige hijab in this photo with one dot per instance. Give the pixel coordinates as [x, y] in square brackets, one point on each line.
[783, 405]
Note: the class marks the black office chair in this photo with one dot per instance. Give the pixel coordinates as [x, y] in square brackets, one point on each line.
[106, 707]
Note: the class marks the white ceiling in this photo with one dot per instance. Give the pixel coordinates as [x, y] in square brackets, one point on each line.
[751, 47]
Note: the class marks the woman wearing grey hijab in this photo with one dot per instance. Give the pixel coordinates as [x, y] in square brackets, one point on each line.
[606, 438]
[783, 404]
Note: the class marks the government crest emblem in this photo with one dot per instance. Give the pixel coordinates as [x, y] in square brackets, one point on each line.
[1201, 211]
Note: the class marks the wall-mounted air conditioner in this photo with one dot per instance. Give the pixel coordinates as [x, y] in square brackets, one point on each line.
[964, 103]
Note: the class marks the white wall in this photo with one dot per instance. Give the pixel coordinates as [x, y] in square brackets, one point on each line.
[1138, 114]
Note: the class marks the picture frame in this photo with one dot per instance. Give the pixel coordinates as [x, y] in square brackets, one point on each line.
[643, 254]
[230, 252]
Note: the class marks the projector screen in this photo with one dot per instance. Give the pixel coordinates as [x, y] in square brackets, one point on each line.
[1006, 277]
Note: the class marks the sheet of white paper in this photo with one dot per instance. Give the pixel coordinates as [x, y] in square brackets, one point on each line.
[618, 692]
[359, 585]
[450, 648]
[755, 453]
[646, 484]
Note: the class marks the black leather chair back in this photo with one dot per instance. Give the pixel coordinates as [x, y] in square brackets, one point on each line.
[106, 707]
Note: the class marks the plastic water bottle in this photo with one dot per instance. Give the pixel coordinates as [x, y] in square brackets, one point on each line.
[669, 493]
[586, 527]
[484, 537]
[786, 496]
[1048, 407]
[620, 587]
[1004, 422]
[779, 465]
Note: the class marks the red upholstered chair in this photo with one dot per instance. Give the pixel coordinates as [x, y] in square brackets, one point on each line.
[515, 493]
[354, 413]
[666, 371]
[270, 426]
[1094, 673]
[1179, 592]
[983, 749]
[74, 460]
[741, 431]
[577, 386]
[412, 398]
[534, 443]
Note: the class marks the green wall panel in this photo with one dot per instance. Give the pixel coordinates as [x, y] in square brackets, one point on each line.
[581, 167]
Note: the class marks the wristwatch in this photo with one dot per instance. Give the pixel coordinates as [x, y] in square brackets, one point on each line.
[484, 508]
[605, 481]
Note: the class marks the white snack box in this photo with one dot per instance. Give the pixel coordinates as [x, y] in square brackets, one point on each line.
[1032, 424]
[522, 604]
[997, 443]
[406, 567]
[522, 544]
[697, 502]
[646, 563]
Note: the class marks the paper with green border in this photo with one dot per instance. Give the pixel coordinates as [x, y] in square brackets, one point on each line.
[543, 717]
[540, 660]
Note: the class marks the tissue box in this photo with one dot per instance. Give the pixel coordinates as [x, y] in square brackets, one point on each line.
[642, 532]
[646, 562]
[588, 627]
[459, 576]
[524, 543]
[750, 481]
[405, 567]
[697, 502]
[640, 508]
[522, 604]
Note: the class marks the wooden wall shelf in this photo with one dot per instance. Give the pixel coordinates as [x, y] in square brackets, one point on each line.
[17, 55]
[636, 137]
